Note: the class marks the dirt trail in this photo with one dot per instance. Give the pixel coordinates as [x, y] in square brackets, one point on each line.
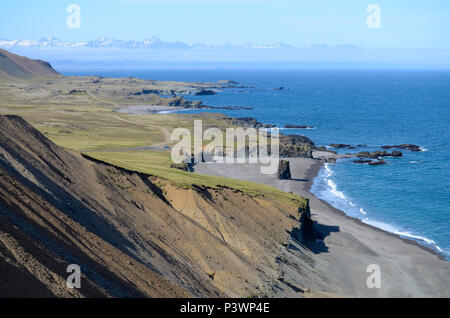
[165, 131]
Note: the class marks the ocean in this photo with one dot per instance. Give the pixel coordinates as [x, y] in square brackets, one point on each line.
[411, 195]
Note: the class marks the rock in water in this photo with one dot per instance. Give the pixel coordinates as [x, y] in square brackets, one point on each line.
[380, 162]
[205, 92]
[299, 127]
[284, 170]
[409, 147]
[396, 154]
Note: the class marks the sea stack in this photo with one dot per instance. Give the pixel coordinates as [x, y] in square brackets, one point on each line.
[284, 170]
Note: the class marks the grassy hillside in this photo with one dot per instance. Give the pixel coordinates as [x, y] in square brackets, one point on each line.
[158, 164]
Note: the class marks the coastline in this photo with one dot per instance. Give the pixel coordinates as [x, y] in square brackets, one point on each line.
[347, 246]
[313, 173]
[310, 174]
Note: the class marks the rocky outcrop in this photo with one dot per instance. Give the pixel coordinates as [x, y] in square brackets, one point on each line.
[305, 234]
[205, 92]
[362, 161]
[296, 146]
[181, 102]
[296, 140]
[409, 147]
[396, 154]
[284, 170]
[298, 127]
[378, 154]
[379, 162]
[345, 146]
[148, 92]
[249, 122]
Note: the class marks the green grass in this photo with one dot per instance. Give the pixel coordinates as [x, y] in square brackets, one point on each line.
[80, 123]
[158, 164]
[114, 136]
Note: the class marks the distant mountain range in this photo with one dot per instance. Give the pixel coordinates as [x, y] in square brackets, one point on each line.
[152, 43]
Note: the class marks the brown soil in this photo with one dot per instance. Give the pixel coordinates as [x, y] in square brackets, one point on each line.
[134, 235]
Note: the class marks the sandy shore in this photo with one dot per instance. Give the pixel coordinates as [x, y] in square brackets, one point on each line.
[348, 246]
[147, 109]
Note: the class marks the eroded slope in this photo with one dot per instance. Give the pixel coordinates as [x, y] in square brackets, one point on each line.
[136, 235]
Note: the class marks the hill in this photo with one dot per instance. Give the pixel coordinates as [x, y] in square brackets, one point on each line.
[139, 235]
[16, 66]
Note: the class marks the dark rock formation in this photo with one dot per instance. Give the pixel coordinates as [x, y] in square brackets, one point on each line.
[205, 92]
[378, 163]
[182, 166]
[249, 122]
[409, 147]
[296, 140]
[146, 92]
[345, 146]
[396, 154]
[362, 161]
[299, 127]
[306, 232]
[296, 146]
[76, 91]
[378, 154]
[341, 146]
[284, 170]
[181, 102]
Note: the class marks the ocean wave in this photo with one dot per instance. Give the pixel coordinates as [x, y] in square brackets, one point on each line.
[416, 162]
[405, 234]
[309, 128]
[326, 189]
[335, 191]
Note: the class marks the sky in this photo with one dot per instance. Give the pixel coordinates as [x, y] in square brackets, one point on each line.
[404, 25]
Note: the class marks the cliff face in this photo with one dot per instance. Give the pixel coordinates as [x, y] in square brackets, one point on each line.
[15, 66]
[135, 234]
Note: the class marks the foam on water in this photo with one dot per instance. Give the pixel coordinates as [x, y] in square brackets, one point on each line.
[325, 188]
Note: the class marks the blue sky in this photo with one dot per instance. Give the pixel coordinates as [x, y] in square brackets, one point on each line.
[404, 24]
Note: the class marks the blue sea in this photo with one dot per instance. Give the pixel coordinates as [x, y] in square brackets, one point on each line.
[411, 195]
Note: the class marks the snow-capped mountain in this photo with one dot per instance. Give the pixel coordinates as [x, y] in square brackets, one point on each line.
[278, 45]
[155, 43]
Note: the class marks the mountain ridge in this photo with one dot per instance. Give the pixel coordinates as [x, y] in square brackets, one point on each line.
[150, 43]
[16, 66]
